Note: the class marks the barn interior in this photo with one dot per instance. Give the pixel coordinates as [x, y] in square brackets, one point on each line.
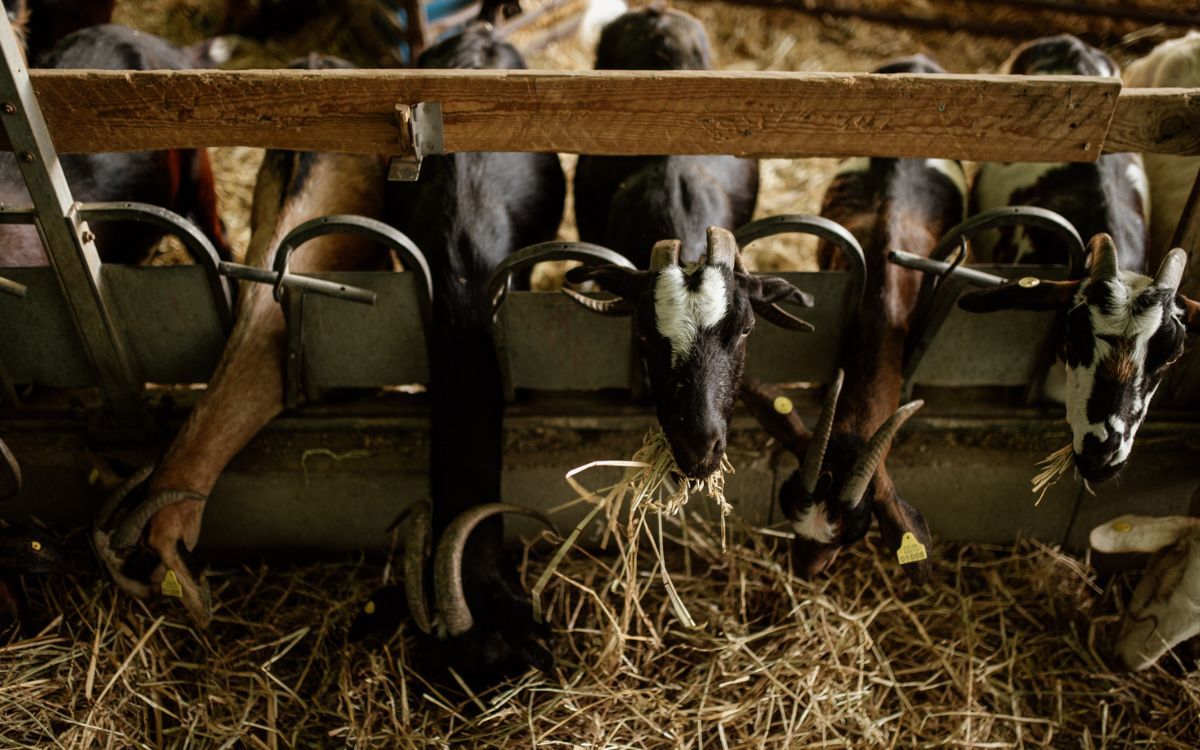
[701, 638]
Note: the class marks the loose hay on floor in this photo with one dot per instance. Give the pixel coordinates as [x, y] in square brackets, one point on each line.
[1000, 650]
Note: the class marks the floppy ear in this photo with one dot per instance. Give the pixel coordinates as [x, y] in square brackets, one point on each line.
[897, 518]
[766, 292]
[776, 413]
[1023, 294]
[1141, 533]
[624, 282]
[1191, 312]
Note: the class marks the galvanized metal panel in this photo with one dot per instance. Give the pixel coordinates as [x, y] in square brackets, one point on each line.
[38, 341]
[550, 343]
[348, 345]
[997, 349]
[167, 316]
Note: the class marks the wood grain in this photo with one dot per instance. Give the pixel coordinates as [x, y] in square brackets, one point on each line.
[1162, 121]
[998, 118]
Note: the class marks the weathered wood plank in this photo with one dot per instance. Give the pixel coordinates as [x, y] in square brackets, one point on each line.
[1039, 118]
[1161, 121]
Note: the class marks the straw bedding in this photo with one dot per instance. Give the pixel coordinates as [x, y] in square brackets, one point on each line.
[999, 650]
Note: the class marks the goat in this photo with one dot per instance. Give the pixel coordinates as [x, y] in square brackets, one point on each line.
[467, 212]
[1123, 332]
[178, 179]
[889, 204]
[158, 522]
[1165, 608]
[1109, 195]
[25, 548]
[1175, 63]
[628, 203]
[40, 24]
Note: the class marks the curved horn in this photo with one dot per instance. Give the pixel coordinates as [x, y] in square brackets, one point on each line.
[814, 457]
[665, 253]
[615, 307]
[416, 553]
[782, 318]
[448, 594]
[1170, 273]
[126, 533]
[722, 248]
[872, 455]
[1104, 258]
[113, 501]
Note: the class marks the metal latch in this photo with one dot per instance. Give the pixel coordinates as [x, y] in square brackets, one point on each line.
[420, 127]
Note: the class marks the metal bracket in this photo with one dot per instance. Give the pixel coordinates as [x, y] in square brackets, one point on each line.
[7, 286]
[420, 127]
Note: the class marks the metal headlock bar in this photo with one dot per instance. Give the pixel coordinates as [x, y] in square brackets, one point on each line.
[944, 281]
[64, 233]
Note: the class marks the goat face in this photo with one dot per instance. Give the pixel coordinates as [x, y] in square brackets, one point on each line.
[840, 483]
[1060, 55]
[1123, 331]
[693, 323]
[653, 38]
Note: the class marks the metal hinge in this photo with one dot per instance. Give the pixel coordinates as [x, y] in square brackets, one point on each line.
[420, 128]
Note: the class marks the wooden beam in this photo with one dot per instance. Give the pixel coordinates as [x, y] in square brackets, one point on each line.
[1161, 121]
[998, 118]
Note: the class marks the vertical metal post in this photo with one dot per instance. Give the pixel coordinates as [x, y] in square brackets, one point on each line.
[67, 240]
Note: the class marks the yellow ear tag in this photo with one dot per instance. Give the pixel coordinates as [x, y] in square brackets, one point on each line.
[170, 585]
[37, 546]
[1122, 526]
[1029, 282]
[911, 550]
[783, 405]
[370, 607]
[94, 476]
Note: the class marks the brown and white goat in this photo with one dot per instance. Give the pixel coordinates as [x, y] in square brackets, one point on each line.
[889, 204]
[1109, 195]
[178, 179]
[164, 509]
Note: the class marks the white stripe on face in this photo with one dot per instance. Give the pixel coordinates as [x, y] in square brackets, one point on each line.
[681, 313]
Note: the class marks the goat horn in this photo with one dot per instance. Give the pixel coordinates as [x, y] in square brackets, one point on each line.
[130, 528]
[1170, 273]
[1104, 258]
[448, 593]
[113, 501]
[814, 457]
[615, 307]
[722, 248]
[665, 253]
[872, 456]
[416, 554]
[782, 318]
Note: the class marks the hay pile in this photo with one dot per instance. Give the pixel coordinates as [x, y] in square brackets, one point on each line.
[999, 650]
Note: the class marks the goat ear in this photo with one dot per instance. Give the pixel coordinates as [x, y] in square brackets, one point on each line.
[897, 519]
[777, 415]
[624, 282]
[1141, 533]
[767, 292]
[1191, 312]
[1021, 295]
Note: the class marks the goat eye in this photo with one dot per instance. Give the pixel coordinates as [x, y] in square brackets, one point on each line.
[746, 331]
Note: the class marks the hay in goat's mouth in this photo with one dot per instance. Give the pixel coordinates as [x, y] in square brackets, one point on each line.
[652, 483]
[1053, 467]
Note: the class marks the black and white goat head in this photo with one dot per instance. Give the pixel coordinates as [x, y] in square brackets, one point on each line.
[1123, 331]
[831, 498]
[693, 322]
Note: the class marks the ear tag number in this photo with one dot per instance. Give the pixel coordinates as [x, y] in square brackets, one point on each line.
[1122, 526]
[1029, 282]
[782, 405]
[911, 550]
[170, 585]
